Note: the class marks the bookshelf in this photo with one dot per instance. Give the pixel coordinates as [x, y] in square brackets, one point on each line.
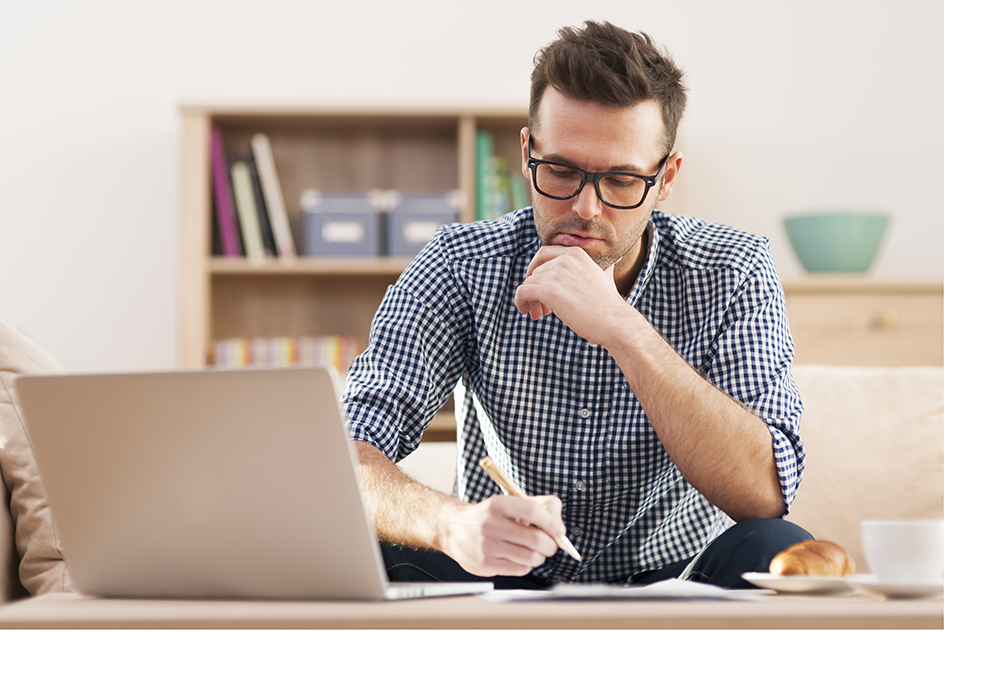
[410, 150]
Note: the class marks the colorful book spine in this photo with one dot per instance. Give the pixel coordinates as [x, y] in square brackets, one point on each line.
[225, 211]
[499, 198]
[336, 351]
[277, 214]
[518, 191]
[246, 209]
[484, 174]
[267, 236]
[499, 189]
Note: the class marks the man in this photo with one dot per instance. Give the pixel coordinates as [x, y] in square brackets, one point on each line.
[595, 343]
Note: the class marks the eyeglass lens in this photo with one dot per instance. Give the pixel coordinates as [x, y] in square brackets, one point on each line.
[562, 182]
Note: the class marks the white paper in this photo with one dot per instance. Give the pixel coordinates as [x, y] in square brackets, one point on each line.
[665, 589]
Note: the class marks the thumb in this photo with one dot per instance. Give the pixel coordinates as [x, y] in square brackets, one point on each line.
[610, 271]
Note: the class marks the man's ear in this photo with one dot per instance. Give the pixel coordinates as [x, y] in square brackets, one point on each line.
[525, 133]
[670, 175]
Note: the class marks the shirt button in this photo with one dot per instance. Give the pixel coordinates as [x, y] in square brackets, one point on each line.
[579, 485]
[584, 413]
[592, 344]
[576, 531]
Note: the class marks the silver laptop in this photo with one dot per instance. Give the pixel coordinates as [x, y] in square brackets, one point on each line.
[208, 484]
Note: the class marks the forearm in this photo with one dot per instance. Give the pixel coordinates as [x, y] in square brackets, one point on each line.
[401, 509]
[718, 445]
[503, 535]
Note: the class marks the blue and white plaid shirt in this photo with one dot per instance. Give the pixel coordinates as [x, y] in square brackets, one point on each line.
[556, 412]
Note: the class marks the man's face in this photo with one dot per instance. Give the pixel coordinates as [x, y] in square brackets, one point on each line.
[597, 138]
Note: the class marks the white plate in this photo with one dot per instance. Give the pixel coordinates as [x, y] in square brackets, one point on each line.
[867, 583]
[801, 584]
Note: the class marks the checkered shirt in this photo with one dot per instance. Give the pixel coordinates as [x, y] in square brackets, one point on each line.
[556, 412]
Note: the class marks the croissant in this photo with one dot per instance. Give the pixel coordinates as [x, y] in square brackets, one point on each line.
[813, 557]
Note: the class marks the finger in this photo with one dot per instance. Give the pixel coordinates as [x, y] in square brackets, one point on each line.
[518, 542]
[610, 272]
[527, 303]
[523, 299]
[500, 558]
[551, 504]
[501, 567]
[538, 311]
[528, 546]
[544, 512]
[546, 254]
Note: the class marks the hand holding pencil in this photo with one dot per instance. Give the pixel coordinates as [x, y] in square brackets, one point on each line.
[511, 488]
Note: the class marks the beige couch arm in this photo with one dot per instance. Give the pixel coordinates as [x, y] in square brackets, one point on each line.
[874, 440]
[10, 584]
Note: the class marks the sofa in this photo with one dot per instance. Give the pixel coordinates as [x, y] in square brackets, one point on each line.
[31, 559]
[874, 449]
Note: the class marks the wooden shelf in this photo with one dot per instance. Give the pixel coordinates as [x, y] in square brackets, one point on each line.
[343, 149]
[310, 266]
[853, 284]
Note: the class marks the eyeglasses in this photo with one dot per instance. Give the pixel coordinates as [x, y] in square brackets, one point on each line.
[617, 189]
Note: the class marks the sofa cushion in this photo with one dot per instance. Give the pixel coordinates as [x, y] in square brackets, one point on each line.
[41, 568]
[874, 442]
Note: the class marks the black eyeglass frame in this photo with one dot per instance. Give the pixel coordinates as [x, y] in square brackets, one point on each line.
[587, 176]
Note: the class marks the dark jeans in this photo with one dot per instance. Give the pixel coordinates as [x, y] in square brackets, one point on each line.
[748, 546]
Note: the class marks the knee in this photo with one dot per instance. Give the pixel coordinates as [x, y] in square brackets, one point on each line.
[771, 535]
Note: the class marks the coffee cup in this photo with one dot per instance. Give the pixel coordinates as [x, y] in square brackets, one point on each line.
[905, 552]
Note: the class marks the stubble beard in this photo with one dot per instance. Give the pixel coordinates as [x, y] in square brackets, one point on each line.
[547, 232]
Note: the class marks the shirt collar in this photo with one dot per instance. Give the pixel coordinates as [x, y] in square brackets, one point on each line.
[652, 253]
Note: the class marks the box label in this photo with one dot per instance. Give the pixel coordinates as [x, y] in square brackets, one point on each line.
[342, 232]
[419, 231]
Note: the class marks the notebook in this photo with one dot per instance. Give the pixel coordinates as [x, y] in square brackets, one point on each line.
[214, 484]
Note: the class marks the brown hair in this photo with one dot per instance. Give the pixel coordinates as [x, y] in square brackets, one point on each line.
[608, 65]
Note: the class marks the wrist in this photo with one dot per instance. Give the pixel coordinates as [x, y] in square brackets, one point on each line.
[446, 522]
[627, 332]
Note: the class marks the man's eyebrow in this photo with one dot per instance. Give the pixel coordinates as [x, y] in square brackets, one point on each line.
[558, 158]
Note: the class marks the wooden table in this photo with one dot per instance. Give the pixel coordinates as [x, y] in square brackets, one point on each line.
[71, 611]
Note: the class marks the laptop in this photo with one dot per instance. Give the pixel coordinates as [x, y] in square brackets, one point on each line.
[210, 484]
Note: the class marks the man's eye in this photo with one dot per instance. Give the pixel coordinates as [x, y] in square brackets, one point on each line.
[622, 180]
[563, 172]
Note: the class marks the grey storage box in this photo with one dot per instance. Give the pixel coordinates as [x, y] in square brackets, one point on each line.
[340, 223]
[413, 218]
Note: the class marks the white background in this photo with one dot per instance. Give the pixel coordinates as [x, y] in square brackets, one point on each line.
[794, 107]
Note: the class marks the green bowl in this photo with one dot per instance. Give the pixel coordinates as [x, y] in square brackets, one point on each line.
[836, 242]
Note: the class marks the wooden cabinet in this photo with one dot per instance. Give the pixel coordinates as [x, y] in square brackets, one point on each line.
[852, 320]
[344, 150]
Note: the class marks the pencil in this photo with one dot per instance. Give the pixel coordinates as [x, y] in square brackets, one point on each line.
[511, 488]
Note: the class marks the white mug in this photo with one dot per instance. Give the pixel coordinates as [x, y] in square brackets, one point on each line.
[905, 552]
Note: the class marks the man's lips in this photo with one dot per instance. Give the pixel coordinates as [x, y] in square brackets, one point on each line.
[570, 239]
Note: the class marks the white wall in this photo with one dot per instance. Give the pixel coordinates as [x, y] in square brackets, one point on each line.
[794, 106]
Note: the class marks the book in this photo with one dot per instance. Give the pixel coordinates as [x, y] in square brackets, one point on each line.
[518, 191]
[246, 210]
[499, 188]
[336, 351]
[277, 214]
[484, 173]
[267, 236]
[225, 211]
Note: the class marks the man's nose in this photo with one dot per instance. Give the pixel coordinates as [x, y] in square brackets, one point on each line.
[586, 204]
